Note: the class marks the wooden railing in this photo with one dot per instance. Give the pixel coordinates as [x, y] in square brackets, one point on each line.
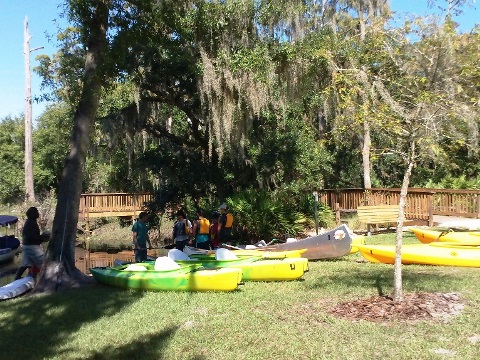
[422, 204]
[112, 204]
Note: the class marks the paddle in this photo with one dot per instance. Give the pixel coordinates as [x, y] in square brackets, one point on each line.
[232, 247]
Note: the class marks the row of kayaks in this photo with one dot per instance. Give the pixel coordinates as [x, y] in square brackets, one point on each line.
[448, 248]
[205, 271]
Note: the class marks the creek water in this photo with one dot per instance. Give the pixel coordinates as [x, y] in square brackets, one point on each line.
[8, 269]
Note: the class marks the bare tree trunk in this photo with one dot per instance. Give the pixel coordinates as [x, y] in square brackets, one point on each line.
[29, 191]
[367, 181]
[398, 291]
[59, 266]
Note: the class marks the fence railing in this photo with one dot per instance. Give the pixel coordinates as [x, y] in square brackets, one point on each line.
[112, 204]
[422, 204]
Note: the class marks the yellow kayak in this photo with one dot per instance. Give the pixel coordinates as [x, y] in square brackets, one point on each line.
[427, 236]
[357, 240]
[256, 269]
[445, 254]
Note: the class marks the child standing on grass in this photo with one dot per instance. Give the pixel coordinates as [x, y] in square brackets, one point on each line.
[181, 230]
[201, 231]
[140, 237]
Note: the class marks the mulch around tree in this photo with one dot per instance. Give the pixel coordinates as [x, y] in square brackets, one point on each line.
[414, 307]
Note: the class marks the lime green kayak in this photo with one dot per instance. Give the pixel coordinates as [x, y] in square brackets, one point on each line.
[257, 269]
[186, 278]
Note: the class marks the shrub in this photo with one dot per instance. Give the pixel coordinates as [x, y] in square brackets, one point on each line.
[262, 215]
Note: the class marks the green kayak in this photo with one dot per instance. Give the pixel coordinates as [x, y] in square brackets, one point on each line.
[190, 277]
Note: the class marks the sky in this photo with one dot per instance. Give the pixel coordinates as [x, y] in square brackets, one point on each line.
[43, 15]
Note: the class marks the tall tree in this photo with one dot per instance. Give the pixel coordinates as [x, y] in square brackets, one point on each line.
[29, 191]
[59, 266]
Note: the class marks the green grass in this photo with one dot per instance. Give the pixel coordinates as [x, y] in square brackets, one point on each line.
[260, 321]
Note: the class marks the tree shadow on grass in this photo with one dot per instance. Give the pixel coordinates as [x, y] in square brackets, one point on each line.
[381, 277]
[37, 326]
[148, 347]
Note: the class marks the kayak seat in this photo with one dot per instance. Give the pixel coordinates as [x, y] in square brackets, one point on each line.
[165, 263]
[225, 254]
[176, 254]
[135, 267]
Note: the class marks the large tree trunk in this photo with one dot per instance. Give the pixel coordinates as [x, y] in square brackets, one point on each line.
[59, 266]
[398, 290]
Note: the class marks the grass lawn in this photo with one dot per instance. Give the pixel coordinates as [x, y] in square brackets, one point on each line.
[260, 321]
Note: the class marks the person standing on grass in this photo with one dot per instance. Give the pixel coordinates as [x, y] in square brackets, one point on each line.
[214, 238]
[140, 237]
[225, 223]
[32, 250]
[201, 230]
[181, 230]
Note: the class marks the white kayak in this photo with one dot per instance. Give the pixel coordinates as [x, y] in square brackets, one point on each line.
[16, 288]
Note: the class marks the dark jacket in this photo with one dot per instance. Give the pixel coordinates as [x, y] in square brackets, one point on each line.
[31, 233]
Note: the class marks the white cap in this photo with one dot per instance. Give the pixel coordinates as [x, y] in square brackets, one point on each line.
[223, 206]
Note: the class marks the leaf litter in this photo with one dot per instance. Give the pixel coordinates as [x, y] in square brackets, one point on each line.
[417, 306]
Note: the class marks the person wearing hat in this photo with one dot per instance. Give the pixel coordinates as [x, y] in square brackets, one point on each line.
[225, 223]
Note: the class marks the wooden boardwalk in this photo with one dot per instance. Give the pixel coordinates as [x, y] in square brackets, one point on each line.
[99, 205]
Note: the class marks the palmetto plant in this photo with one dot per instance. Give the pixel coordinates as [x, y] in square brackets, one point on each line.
[260, 215]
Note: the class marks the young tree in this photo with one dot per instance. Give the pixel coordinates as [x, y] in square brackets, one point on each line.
[422, 96]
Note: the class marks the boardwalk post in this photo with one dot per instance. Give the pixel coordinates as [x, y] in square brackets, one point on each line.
[430, 209]
[478, 206]
[87, 257]
[337, 213]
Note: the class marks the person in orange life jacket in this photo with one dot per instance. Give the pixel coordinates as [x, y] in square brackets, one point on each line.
[181, 230]
[225, 223]
[214, 238]
[140, 237]
[201, 231]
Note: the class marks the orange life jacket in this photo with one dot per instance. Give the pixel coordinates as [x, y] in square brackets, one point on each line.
[229, 221]
[203, 226]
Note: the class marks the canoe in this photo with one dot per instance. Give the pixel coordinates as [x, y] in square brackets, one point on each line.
[9, 244]
[445, 254]
[9, 241]
[188, 278]
[257, 269]
[427, 236]
[7, 255]
[17, 288]
[329, 245]
[268, 254]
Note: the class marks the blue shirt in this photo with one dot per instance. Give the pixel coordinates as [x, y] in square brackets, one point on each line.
[141, 230]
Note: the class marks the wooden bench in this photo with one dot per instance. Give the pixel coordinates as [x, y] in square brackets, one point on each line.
[378, 214]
